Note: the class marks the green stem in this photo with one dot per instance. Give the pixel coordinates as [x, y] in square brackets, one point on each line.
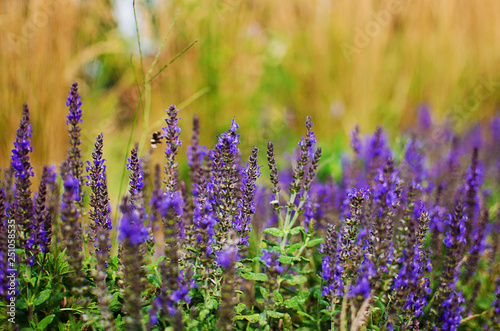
[28, 292]
[332, 310]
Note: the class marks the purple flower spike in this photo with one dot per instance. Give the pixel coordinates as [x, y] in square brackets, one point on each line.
[131, 227]
[23, 205]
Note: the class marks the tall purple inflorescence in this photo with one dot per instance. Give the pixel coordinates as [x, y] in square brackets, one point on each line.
[349, 251]
[42, 222]
[171, 133]
[306, 145]
[74, 119]
[246, 206]
[132, 234]
[22, 208]
[386, 197]
[331, 268]
[101, 226]
[171, 210]
[71, 231]
[377, 153]
[471, 188]
[446, 296]
[227, 258]
[225, 180]
[99, 199]
[496, 302]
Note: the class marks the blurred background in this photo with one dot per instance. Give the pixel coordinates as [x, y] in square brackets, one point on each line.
[269, 64]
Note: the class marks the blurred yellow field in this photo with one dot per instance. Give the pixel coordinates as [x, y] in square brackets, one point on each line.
[269, 63]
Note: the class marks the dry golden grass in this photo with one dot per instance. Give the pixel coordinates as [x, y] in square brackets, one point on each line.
[269, 63]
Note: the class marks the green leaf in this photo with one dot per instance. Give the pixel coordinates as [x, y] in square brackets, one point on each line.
[278, 296]
[56, 298]
[212, 304]
[193, 250]
[115, 305]
[240, 307]
[153, 279]
[297, 230]
[275, 232]
[21, 304]
[314, 242]
[297, 300]
[42, 297]
[305, 315]
[260, 277]
[118, 321]
[293, 248]
[263, 291]
[249, 260]
[32, 281]
[296, 280]
[254, 318]
[27, 329]
[45, 322]
[203, 314]
[285, 259]
[275, 314]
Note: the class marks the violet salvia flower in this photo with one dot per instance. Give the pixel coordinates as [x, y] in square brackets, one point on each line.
[23, 205]
[355, 142]
[414, 157]
[309, 140]
[478, 245]
[74, 119]
[311, 172]
[411, 286]
[227, 258]
[246, 206]
[195, 156]
[171, 133]
[53, 191]
[471, 188]
[195, 152]
[386, 195]
[455, 242]
[99, 199]
[452, 310]
[271, 260]
[71, 230]
[132, 234]
[349, 251]
[171, 211]
[424, 117]
[496, 302]
[272, 268]
[204, 223]
[310, 208]
[101, 226]
[225, 179]
[271, 161]
[41, 219]
[377, 153]
[136, 187]
[306, 153]
[331, 269]
[136, 183]
[361, 289]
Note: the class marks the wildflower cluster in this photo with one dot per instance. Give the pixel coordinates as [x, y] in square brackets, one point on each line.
[403, 239]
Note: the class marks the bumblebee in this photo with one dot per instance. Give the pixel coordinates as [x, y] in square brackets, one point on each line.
[156, 138]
